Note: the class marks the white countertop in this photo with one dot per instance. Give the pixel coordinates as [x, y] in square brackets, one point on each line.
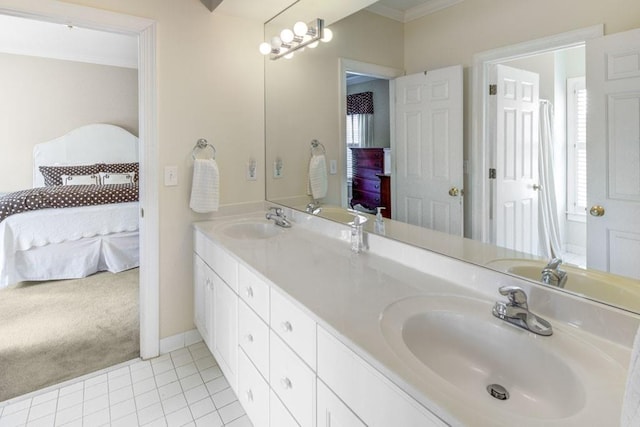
[346, 293]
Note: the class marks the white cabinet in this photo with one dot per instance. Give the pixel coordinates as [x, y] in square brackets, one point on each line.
[286, 370]
[202, 290]
[332, 412]
[225, 329]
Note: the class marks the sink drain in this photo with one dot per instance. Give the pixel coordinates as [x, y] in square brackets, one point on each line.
[497, 391]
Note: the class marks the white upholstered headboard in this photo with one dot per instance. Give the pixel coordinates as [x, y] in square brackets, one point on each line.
[86, 145]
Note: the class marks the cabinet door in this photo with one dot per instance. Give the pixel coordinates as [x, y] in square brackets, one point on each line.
[253, 392]
[225, 324]
[202, 287]
[332, 412]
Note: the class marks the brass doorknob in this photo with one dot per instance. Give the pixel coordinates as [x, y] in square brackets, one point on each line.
[453, 191]
[537, 187]
[596, 210]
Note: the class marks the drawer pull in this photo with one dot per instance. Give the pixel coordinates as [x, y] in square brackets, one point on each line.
[286, 383]
[286, 326]
[249, 396]
[249, 292]
[249, 338]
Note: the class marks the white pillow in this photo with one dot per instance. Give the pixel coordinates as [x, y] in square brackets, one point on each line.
[117, 178]
[80, 179]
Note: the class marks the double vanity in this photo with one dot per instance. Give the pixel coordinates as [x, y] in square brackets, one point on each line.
[309, 333]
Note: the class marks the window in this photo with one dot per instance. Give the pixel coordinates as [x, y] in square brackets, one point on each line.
[359, 125]
[576, 149]
[353, 139]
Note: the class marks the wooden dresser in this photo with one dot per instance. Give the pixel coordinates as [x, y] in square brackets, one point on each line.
[370, 186]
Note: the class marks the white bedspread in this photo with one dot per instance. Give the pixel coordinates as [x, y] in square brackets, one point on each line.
[37, 229]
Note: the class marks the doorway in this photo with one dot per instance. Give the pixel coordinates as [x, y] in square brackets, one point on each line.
[558, 48]
[144, 29]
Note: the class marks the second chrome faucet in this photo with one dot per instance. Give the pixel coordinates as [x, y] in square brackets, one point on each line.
[516, 311]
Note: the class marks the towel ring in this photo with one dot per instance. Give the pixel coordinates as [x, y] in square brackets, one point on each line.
[202, 144]
[315, 144]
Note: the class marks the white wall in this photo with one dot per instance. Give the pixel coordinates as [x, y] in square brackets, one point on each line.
[210, 84]
[43, 99]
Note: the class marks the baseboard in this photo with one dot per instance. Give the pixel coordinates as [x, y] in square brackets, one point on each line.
[178, 341]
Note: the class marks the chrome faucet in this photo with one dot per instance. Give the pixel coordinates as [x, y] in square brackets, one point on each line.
[552, 275]
[278, 216]
[516, 312]
[313, 208]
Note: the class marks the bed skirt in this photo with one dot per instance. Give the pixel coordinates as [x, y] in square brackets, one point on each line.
[73, 259]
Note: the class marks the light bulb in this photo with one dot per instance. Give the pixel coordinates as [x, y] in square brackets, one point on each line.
[276, 42]
[300, 28]
[313, 45]
[327, 35]
[288, 55]
[286, 35]
[265, 48]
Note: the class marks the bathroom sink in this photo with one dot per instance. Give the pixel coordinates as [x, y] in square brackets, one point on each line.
[479, 359]
[252, 230]
[610, 288]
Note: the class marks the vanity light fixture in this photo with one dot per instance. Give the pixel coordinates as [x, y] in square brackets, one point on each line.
[303, 35]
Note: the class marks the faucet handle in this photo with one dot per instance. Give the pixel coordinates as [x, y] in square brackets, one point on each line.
[554, 263]
[515, 294]
[278, 211]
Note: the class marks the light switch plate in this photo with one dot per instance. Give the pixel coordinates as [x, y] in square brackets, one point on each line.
[333, 167]
[170, 176]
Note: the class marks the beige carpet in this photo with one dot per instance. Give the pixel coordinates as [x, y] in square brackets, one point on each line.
[54, 331]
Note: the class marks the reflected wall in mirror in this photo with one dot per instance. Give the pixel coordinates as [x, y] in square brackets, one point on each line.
[305, 100]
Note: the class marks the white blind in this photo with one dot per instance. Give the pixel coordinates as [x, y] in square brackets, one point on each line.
[353, 140]
[576, 146]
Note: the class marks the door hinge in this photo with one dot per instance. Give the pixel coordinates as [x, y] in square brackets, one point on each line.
[141, 212]
[492, 173]
[493, 89]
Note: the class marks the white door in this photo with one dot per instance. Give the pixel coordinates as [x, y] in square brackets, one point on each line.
[514, 127]
[428, 150]
[613, 153]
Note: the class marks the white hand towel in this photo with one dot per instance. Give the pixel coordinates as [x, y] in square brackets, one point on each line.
[631, 403]
[205, 188]
[318, 181]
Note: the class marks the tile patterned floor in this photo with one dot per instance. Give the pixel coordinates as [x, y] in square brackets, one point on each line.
[182, 388]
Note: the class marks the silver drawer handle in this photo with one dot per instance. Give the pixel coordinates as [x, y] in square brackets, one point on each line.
[249, 337]
[287, 326]
[286, 383]
[249, 396]
[249, 292]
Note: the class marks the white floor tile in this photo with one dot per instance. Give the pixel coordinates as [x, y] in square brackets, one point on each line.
[202, 407]
[95, 390]
[144, 386]
[94, 405]
[210, 420]
[16, 407]
[190, 382]
[46, 421]
[71, 399]
[98, 379]
[72, 388]
[64, 416]
[179, 418]
[166, 378]
[119, 382]
[210, 374]
[217, 385]
[240, 422]
[121, 394]
[39, 411]
[147, 399]
[169, 390]
[174, 403]
[196, 394]
[126, 421]
[186, 370]
[231, 412]
[122, 409]
[150, 413]
[97, 419]
[141, 373]
[14, 419]
[224, 398]
[44, 397]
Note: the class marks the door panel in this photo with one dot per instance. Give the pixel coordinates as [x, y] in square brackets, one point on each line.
[428, 149]
[515, 117]
[613, 152]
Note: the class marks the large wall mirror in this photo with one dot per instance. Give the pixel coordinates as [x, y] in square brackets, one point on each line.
[482, 157]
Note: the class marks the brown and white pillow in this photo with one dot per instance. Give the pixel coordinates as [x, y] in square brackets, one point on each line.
[80, 179]
[107, 178]
[53, 174]
[119, 168]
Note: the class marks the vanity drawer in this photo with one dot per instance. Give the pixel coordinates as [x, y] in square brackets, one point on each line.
[253, 392]
[369, 394]
[278, 414]
[293, 382]
[254, 291]
[253, 337]
[294, 326]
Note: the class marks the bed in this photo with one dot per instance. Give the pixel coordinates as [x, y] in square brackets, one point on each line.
[61, 231]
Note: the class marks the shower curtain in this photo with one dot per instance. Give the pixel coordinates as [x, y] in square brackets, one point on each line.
[549, 230]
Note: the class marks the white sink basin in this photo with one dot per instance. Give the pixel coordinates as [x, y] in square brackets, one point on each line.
[458, 341]
[252, 230]
[610, 288]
